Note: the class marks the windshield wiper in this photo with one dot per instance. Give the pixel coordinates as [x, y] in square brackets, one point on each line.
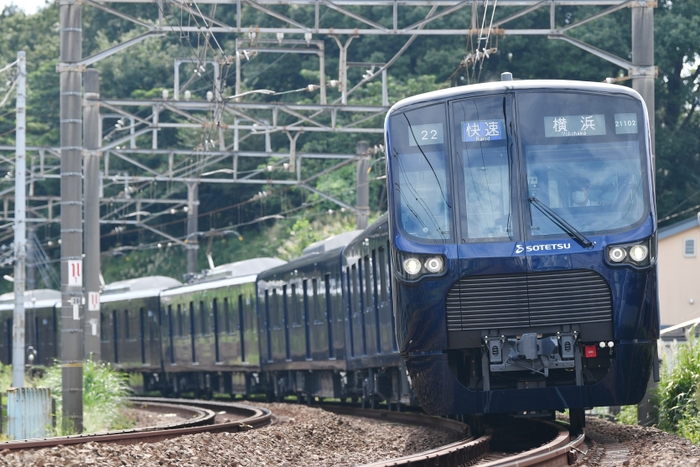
[561, 222]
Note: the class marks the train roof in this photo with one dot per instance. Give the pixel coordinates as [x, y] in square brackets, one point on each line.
[247, 267]
[325, 250]
[39, 298]
[226, 275]
[137, 288]
[503, 86]
[332, 243]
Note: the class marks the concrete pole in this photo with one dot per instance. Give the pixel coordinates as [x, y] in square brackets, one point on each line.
[643, 82]
[31, 256]
[20, 224]
[643, 56]
[92, 138]
[192, 242]
[362, 200]
[70, 26]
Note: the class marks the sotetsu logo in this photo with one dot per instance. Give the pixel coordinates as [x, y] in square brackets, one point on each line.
[547, 246]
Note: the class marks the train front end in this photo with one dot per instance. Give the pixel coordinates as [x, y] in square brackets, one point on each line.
[523, 234]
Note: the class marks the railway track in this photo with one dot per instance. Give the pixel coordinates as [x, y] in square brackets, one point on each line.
[505, 443]
[201, 418]
[512, 442]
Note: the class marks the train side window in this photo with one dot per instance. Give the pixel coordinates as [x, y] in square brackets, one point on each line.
[295, 307]
[171, 331]
[359, 286]
[315, 312]
[127, 327]
[227, 317]
[306, 318]
[368, 282]
[180, 321]
[115, 335]
[142, 333]
[203, 318]
[329, 315]
[192, 331]
[268, 325]
[215, 313]
[241, 325]
[382, 273]
[348, 282]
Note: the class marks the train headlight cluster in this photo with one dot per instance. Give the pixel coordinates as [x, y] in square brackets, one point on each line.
[638, 254]
[414, 266]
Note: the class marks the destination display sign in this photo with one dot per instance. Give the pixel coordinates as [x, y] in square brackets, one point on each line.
[483, 130]
[426, 134]
[625, 124]
[574, 125]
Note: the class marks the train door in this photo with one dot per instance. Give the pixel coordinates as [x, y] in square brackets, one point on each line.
[488, 294]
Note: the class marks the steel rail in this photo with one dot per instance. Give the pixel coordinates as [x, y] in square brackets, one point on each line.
[204, 413]
[562, 450]
[458, 453]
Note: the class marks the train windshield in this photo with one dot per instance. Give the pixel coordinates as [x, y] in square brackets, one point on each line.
[483, 168]
[584, 159]
[421, 175]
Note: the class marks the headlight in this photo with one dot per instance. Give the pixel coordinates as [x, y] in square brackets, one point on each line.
[434, 264]
[617, 254]
[412, 266]
[415, 266]
[639, 253]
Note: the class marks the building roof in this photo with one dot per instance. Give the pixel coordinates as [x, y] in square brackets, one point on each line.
[679, 227]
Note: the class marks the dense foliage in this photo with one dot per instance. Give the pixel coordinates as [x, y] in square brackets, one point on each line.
[104, 396]
[679, 391]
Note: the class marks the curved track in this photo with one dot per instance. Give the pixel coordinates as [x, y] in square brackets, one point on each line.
[202, 419]
[552, 444]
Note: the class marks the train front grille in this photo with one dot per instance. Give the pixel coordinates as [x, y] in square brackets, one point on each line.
[533, 299]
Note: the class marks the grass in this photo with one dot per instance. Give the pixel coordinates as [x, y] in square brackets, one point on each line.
[678, 392]
[104, 396]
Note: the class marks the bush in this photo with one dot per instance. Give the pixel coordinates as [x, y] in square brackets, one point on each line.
[104, 397]
[678, 391]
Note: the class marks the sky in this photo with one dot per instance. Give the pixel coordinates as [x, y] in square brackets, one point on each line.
[28, 6]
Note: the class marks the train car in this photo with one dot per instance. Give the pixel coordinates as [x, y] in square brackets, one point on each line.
[210, 330]
[375, 367]
[523, 232]
[130, 326]
[302, 325]
[42, 308]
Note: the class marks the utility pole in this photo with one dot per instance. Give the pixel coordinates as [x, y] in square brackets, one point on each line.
[192, 242]
[643, 58]
[20, 225]
[70, 27]
[92, 137]
[362, 197]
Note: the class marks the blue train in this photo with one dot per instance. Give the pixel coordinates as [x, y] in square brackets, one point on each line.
[515, 271]
[523, 232]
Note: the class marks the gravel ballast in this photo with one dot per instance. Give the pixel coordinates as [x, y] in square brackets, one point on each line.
[307, 436]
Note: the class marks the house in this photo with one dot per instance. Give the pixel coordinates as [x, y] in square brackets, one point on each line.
[679, 271]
